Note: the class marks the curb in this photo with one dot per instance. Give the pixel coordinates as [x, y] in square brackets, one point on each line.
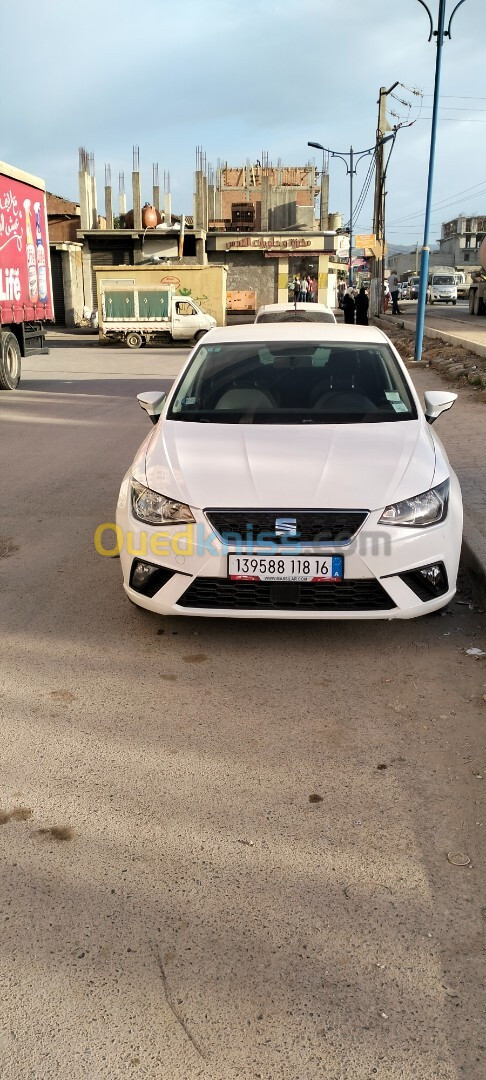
[430, 332]
[473, 559]
[473, 551]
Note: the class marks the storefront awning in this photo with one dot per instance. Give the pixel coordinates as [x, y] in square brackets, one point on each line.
[293, 254]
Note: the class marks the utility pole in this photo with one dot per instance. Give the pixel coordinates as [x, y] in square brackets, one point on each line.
[378, 265]
[351, 174]
[443, 30]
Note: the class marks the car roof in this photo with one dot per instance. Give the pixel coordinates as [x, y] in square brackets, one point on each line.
[301, 331]
[290, 307]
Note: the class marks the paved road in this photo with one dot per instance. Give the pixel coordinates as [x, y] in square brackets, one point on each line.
[459, 313]
[195, 914]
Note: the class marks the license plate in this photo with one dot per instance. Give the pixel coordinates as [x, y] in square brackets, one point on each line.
[319, 568]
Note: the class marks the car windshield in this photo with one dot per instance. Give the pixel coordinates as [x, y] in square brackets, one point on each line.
[292, 383]
[291, 315]
[443, 279]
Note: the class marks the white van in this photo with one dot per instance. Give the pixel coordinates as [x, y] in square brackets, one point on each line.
[441, 288]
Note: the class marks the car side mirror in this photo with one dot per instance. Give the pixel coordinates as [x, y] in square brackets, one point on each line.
[153, 402]
[437, 402]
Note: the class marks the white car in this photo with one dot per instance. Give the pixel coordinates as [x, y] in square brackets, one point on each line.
[294, 312]
[291, 473]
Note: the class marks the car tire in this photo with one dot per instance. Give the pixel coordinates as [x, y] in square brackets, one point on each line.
[454, 302]
[200, 334]
[472, 295]
[478, 304]
[10, 362]
[133, 340]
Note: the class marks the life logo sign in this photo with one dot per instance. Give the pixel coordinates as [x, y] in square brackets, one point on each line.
[25, 291]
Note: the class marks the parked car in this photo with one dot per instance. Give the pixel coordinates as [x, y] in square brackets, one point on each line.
[414, 283]
[292, 474]
[294, 312]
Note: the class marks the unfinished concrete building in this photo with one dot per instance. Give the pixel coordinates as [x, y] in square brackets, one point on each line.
[255, 197]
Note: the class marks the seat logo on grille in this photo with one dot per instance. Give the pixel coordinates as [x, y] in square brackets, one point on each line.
[286, 526]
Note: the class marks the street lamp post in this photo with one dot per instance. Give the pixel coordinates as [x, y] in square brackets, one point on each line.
[439, 34]
[355, 156]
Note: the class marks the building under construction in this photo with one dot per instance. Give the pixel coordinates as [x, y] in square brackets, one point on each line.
[258, 196]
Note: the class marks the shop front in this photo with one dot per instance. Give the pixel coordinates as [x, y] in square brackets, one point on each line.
[265, 265]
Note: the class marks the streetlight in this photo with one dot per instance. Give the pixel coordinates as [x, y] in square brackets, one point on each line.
[440, 34]
[355, 156]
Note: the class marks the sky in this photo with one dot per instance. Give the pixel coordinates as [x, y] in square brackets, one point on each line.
[238, 77]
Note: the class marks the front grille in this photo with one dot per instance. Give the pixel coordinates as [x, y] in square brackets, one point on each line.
[353, 595]
[313, 526]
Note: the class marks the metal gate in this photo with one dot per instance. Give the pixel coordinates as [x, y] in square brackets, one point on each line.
[58, 287]
[105, 257]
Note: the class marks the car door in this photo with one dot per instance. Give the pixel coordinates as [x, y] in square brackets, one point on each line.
[186, 320]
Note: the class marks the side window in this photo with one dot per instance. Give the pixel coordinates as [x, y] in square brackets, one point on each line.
[184, 308]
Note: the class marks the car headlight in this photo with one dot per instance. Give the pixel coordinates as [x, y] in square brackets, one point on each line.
[156, 509]
[429, 508]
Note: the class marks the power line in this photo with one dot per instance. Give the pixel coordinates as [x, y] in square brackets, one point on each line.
[452, 119]
[458, 97]
[452, 108]
[445, 201]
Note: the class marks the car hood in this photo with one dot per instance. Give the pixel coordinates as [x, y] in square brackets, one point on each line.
[339, 466]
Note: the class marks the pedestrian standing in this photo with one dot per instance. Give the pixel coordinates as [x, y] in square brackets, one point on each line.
[348, 306]
[393, 287]
[362, 304]
[303, 290]
[309, 289]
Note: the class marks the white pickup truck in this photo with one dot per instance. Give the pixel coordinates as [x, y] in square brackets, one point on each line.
[140, 315]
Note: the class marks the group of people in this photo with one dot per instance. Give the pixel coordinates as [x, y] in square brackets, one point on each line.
[355, 303]
[303, 289]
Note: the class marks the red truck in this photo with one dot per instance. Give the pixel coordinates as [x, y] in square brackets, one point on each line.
[25, 272]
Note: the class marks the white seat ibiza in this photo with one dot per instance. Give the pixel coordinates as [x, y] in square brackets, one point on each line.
[292, 473]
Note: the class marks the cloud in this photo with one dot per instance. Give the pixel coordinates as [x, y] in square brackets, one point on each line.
[238, 77]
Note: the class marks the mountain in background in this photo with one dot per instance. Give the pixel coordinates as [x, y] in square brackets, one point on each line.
[404, 249]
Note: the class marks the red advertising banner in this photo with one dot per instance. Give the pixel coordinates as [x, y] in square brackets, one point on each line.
[25, 277]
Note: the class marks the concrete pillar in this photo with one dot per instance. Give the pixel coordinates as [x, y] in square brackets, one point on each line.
[94, 204]
[265, 203]
[167, 207]
[72, 277]
[137, 201]
[283, 280]
[85, 199]
[156, 197]
[205, 202]
[324, 211]
[322, 280]
[198, 201]
[108, 207]
[211, 203]
[88, 279]
[201, 254]
[122, 204]
[218, 200]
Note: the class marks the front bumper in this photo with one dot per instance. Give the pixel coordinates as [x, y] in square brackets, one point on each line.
[376, 584]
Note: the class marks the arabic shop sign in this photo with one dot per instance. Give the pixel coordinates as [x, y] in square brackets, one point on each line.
[287, 243]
